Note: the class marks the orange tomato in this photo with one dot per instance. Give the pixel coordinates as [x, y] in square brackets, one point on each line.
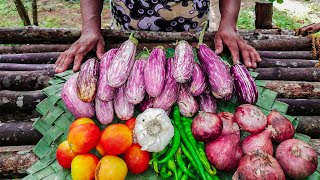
[80, 121]
[65, 155]
[136, 159]
[131, 123]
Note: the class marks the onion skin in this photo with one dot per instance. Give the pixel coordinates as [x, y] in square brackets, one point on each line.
[284, 129]
[104, 91]
[123, 109]
[198, 84]
[260, 166]
[250, 118]
[187, 104]
[169, 95]
[207, 103]
[225, 152]
[297, 158]
[135, 87]
[229, 126]
[146, 103]
[206, 126]
[261, 141]
[183, 63]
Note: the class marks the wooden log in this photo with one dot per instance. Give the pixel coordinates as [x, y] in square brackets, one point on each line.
[19, 116]
[315, 143]
[12, 101]
[295, 89]
[290, 44]
[264, 13]
[309, 125]
[29, 58]
[33, 48]
[15, 160]
[302, 107]
[286, 54]
[292, 74]
[292, 63]
[18, 133]
[24, 80]
[25, 67]
[309, 29]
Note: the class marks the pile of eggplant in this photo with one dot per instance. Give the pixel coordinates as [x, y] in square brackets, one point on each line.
[123, 80]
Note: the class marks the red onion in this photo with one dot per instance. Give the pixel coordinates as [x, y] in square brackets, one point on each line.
[297, 158]
[261, 141]
[283, 127]
[229, 126]
[206, 126]
[250, 118]
[259, 165]
[225, 152]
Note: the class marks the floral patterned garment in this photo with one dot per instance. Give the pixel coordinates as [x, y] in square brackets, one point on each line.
[160, 15]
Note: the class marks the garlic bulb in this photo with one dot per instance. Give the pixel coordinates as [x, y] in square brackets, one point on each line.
[153, 130]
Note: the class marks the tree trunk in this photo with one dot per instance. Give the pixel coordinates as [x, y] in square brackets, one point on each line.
[309, 29]
[315, 143]
[25, 67]
[292, 63]
[37, 48]
[18, 133]
[302, 107]
[13, 101]
[286, 54]
[24, 80]
[34, 12]
[295, 89]
[292, 74]
[309, 125]
[264, 12]
[30, 58]
[15, 160]
[22, 12]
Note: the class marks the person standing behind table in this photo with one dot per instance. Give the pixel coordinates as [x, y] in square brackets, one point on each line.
[157, 15]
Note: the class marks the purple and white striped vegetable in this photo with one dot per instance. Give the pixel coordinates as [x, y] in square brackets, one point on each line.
[105, 92]
[183, 63]
[122, 63]
[135, 87]
[198, 84]
[244, 85]
[187, 104]
[104, 111]
[155, 72]
[207, 103]
[146, 103]
[124, 110]
[169, 95]
[76, 106]
[217, 72]
[87, 80]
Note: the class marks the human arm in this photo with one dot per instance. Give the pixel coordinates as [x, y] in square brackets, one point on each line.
[227, 34]
[91, 37]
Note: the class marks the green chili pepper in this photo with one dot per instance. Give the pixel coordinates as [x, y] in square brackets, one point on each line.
[159, 154]
[188, 155]
[182, 165]
[180, 173]
[215, 177]
[203, 157]
[189, 146]
[175, 146]
[172, 166]
[184, 177]
[212, 177]
[164, 173]
[155, 164]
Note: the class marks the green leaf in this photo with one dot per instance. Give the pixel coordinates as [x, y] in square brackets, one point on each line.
[302, 137]
[30, 177]
[35, 167]
[169, 53]
[267, 99]
[44, 172]
[56, 81]
[63, 74]
[280, 106]
[53, 115]
[43, 107]
[261, 83]
[195, 56]
[52, 134]
[41, 148]
[253, 74]
[41, 126]
[314, 176]
[63, 122]
[52, 89]
[49, 157]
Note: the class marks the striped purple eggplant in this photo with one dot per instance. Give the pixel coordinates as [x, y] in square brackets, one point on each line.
[146, 103]
[183, 62]
[105, 92]
[198, 84]
[187, 104]
[87, 80]
[122, 63]
[76, 106]
[169, 94]
[155, 72]
[244, 85]
[124, 110]
[135, 87]
[104, 111]
[217, 71]
[207, 102]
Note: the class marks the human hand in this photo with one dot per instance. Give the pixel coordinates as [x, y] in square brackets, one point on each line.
[236, 44]
[88, 41]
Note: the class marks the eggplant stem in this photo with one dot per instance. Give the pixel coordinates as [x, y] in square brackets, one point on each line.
[133, 39]
[201, 37]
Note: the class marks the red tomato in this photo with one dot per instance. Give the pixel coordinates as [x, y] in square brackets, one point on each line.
[131, 122]
[136, 159]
